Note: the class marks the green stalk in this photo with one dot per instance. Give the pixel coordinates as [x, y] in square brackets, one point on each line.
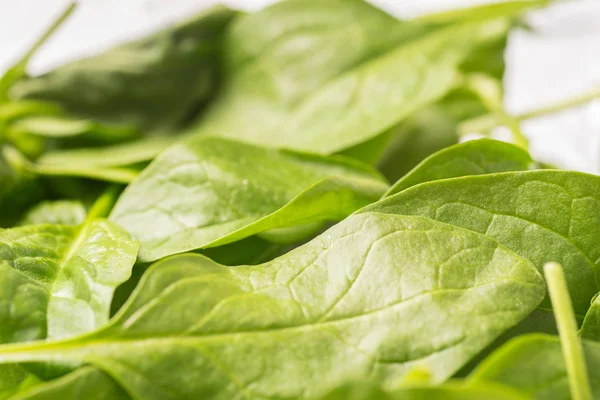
[489, 92]
[567, 328]
[487, 122]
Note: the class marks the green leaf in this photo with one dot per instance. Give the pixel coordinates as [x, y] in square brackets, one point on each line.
[542, 215]
[83, 384]
[58, 280]
[450, 391]
[341, 95]
[366, 298]
[207, 192]
[64, 212]
[476, 157]
[18, 192]
[591, 323]
[534, 364]
[64, 127]
[21, 163]
[14, 378]
[118, 155]
[151, 84]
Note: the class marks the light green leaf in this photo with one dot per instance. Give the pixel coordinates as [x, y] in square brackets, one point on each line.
[83, 384]
[118, 174]
[450, 391]
[366, 298]
[542, 215]
[207, 192]
[65, 127]
[534, 364]
[65, 212]
[118, 155]
[149, 84]
[58, 280]
[476, 157]
[341, 95]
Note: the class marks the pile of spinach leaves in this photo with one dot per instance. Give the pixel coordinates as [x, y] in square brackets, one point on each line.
[275, 206]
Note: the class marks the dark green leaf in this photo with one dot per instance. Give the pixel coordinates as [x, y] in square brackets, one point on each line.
[14, 378]
[150, 84]
[591, 323]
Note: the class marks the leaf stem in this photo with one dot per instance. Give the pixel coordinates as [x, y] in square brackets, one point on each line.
[560, 106]
[18, 70]
[51, 29]
[567, 329]
[489, 121]
[489, 91]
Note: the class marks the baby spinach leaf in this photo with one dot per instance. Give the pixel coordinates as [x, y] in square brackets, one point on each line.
[118, 155]
[58, 280]
[591, 323]
[542, 215]
[375, 295]
[534, 364]
[149, 84]
[64, 127]
[476, 157]
[63, 212]
[83, 384]
[206, 192]
[20, 163]
[14, 378]
[340, 96]
[449, 391]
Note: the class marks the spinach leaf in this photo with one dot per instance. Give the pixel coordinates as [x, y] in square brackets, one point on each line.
[150, 84]
[206, 192]
[449, 391]
[58, 280]
[476, 157]
[84, 384]
[542, 215]
[14, 378]
[63, 212]
[64, 127]
[590, 329]
[118, 155]
[534, 364]
[19, 162]
[341, 95]
[366, 298]
[18, 192]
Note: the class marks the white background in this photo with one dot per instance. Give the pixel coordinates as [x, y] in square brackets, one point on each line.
[560, 59]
